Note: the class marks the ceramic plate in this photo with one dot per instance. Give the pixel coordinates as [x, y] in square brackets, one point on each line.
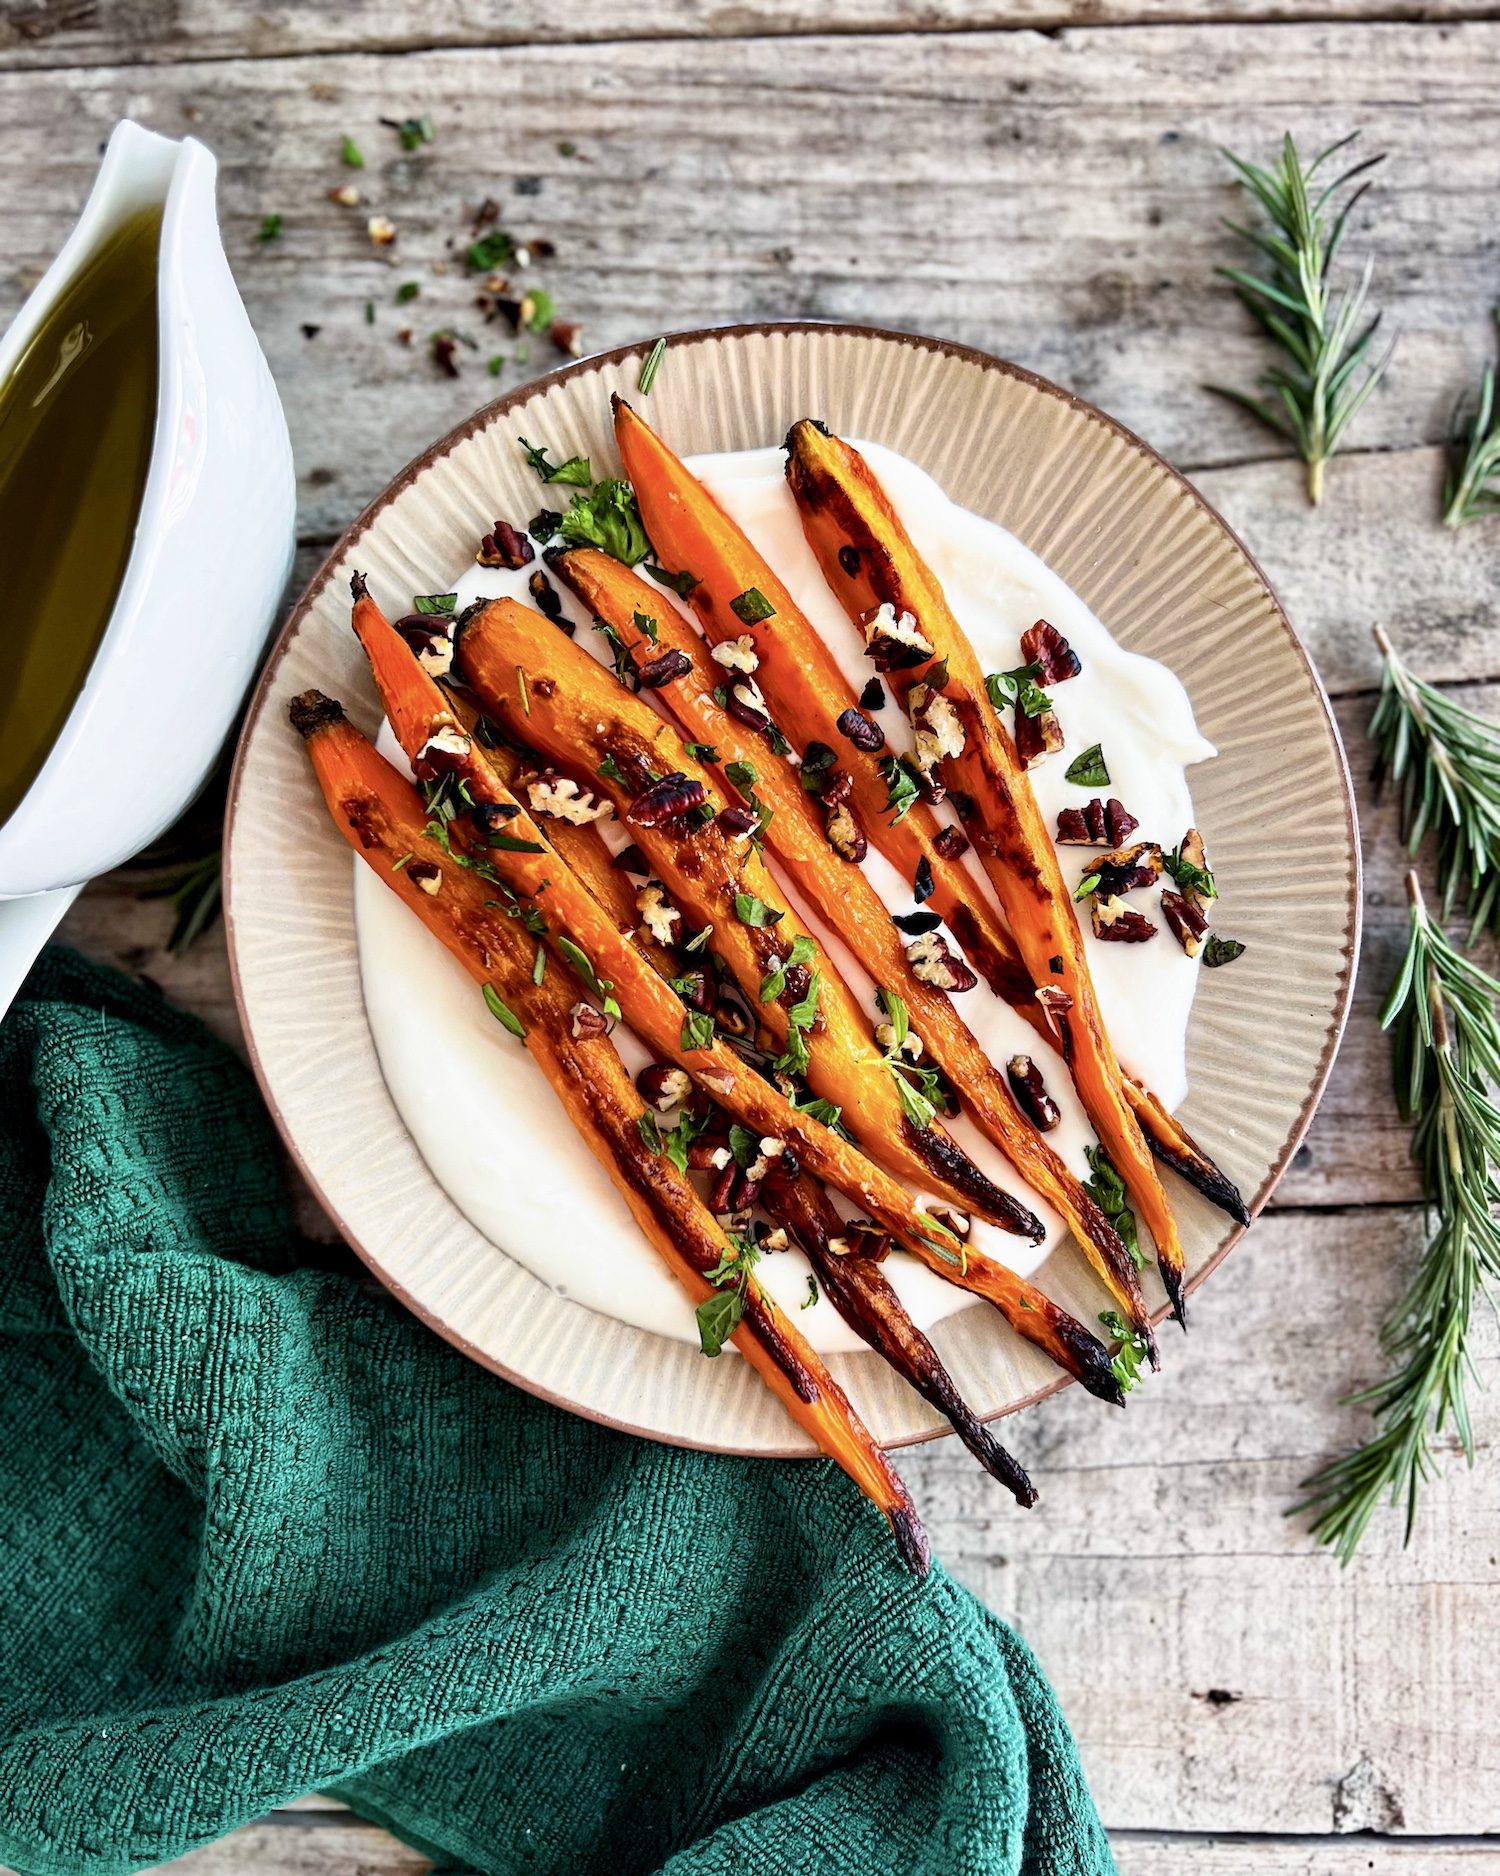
[1137, 543]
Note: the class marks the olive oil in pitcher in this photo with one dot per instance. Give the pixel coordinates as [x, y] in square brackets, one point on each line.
[77, 417]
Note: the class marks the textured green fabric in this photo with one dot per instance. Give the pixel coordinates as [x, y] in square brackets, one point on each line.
[262, 1533]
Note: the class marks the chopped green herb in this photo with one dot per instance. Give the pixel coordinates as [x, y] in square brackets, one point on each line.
[576, 471]
[1107, 1189]
[496, 364]
[539, 966]
[1018, 687]
[816, 763]
[1088, 770]
[607, 519]
[351, 154]
[646, 626]
[270, 229]
[812, 1292]
[652, 365]
[611, 771]
[1218, 951]
[502, 1014]
[919, 1089]
[681, 584]
[701, 752]
[396, 865]
[490, 251]
[567, 148]
[816, 1108]
[1089, 883]
[1191, 878]
[512, 843]
[794, 1059]
[803, 951]
[444, 603]
[408, 290]
[698, 940]
[744, 1145]
[413, 131]
[903, 790]
[750, 910]
[1132, 1350]
[584, 965]
[697, 1030]
[742, 774]
[751, 606]
[369, 312]
[540, 311]
[720, 1314]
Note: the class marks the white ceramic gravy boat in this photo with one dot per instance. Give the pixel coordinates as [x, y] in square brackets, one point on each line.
[213, 547]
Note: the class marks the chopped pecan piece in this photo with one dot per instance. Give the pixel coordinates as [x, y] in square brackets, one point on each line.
[744, 702]
[933, 963]
[1189, 922]
[950, 843]
[872, 697]
[956, 1222]
[838, 786]
[1083, 827]
[665, 669]
[430, 635]
[585, 1021]
[911, 1048]
[939, 729]
[1044, 645]
[545, 594]
[1126, 870]
[1054, 999]
[663, 1088]
[1030, 1093]
[1037, 737]
[845, 835]
[426, 875]
[1118, 922]
[861, 1239]
[561, 797]
[506, 547]
[738, 823]
[658, 914]
[1119, 824]
[697, 990]
[855, 727]
[1193, 853]
[737, 654]
[448, 748]
[895, 643]
[665, 800]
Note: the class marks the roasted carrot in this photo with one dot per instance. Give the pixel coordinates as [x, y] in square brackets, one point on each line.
[809, 697]
[801, 679]
[869, 561]
[383, 818]
[862, 1294]
[547, 691]
[841, 894]
[561, 899]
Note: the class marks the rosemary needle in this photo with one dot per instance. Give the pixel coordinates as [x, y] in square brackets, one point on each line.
[1473, 485]
[1446, 762]
[1313, 399]
[1446, 1044]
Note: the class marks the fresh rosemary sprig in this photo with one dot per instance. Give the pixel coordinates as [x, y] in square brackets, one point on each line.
[1313, 400]
[1446, 1045]
[1473, 485]
[1446, 762]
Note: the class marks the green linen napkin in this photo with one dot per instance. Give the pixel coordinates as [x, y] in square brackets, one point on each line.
[262, 1533]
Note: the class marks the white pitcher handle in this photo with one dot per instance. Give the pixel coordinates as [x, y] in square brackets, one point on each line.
[25, 926]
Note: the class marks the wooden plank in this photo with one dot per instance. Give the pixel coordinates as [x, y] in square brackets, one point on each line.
[730, 181]
[1219, 1672]
[281, 1847]
[292, 1844]
[1140, 1853]
[42, 33]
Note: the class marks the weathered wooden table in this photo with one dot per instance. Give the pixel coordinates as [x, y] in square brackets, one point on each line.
[1040, 178]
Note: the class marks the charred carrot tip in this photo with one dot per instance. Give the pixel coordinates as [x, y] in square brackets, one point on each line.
[312, 711]
[357, 585]
[1171, 1278]
[911, 1539]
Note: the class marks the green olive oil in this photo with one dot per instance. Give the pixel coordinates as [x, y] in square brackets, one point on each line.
[77, 417]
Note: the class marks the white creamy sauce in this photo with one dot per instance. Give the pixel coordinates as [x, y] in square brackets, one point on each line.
[495, 1136]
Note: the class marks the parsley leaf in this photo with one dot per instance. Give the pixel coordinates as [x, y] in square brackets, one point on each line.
[720, 1315]
[697, 1030]
[1218, 951]
[575, 471]
[750, 910]
[701, 752]
[1018, 687]
[1132, 1351]
[902, 787]
[607, 519]
[1088, 770]
[490, 251]
[443, 603]
[751, 606]
[812, 1292]
[1190, 877]
[584, 965]
[681, 584]
[611, 771]
[1107, 1189]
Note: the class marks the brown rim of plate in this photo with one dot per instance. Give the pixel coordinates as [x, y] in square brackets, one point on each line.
[481, 419]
